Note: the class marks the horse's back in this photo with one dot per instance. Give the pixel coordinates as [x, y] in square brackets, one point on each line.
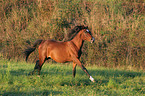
[57, 50]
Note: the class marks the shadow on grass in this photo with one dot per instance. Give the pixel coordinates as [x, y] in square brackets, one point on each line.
[115, 73]
[18, 72]
[105, 73]
[40, 93]
[118, 76]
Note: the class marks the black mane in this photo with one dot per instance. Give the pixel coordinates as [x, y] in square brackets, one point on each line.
[75, 31]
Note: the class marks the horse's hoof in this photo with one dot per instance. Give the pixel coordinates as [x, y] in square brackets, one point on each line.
[30, 73]
[35, 72]
[92, 79]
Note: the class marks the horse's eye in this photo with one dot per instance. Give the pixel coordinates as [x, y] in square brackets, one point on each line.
[87, 31]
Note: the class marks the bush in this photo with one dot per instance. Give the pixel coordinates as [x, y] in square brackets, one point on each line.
[118, 27]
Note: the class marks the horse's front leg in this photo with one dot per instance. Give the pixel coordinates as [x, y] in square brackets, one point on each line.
[76, 60]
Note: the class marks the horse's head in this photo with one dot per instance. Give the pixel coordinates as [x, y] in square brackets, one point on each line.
[87, 35]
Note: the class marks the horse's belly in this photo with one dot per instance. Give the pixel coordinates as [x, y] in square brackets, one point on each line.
[60, 56]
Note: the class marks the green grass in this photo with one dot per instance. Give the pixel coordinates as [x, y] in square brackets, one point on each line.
[56, 79]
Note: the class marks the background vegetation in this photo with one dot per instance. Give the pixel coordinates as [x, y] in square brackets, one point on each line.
[117, 25]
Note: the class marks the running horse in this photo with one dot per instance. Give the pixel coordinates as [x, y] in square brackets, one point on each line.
[62, 51]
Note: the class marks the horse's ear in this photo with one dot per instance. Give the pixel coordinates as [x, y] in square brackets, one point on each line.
[83, 26]
[77, 29]
[86, 27]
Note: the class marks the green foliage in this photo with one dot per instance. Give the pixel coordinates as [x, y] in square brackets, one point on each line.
[57, 80]
[117, 25]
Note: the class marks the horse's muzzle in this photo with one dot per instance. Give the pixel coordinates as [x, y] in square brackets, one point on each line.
[92, 40]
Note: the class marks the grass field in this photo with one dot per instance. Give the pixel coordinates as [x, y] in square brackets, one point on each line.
[56, 79]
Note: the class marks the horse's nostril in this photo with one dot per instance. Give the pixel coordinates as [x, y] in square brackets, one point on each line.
[92, 40]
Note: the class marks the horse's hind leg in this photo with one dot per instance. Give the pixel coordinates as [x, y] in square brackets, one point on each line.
[36, 69]
[38, 66]
[74, 69]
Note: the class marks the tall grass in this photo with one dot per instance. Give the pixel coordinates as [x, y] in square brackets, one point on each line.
[117, 25]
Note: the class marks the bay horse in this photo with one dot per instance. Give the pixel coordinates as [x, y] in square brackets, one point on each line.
[61, 51]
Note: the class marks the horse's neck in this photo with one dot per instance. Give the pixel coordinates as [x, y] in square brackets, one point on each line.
[78, 41]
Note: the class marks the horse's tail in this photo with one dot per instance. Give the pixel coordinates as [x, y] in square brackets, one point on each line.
[29, 50]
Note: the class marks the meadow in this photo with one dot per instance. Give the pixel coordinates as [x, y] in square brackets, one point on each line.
[116, 60]
[56, 79]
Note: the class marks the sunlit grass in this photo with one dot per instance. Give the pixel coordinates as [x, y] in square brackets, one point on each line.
[56, 79]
